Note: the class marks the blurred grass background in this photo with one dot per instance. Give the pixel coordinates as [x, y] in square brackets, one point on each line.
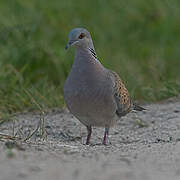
[138, 39]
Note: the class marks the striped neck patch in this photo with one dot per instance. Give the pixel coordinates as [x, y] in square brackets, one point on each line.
[93, 52]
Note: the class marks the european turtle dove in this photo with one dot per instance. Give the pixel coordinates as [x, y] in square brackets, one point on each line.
[93, 94]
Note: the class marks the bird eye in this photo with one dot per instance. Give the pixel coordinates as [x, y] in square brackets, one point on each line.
[81, 36]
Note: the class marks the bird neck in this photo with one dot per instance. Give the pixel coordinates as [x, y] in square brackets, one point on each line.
[86, 57]
[86, 52]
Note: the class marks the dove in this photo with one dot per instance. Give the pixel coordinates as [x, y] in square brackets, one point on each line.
[95, 95]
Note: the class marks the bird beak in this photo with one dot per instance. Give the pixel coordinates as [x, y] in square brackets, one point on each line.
[70, 43]
[67, 45]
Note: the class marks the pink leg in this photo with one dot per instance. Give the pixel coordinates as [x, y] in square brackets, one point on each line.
[89, 130]
[106, 132]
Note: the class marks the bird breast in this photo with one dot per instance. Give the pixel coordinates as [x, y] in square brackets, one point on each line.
[88, 92]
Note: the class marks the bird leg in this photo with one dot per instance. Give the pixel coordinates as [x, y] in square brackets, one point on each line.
[106, 133]
[89, 130]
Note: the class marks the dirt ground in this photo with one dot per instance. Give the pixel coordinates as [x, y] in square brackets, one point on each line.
[144, 146]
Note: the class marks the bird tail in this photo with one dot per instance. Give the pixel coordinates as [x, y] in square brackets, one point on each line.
[138, 108]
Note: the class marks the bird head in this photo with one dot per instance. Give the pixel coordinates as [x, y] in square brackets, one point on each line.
[79, 38]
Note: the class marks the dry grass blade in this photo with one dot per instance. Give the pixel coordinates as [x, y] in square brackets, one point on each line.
[34, 132]
[8, 137]
[41, 123]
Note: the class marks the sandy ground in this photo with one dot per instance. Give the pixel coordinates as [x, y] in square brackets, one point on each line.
[144, 146]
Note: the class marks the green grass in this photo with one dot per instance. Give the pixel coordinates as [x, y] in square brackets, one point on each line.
[138, 39]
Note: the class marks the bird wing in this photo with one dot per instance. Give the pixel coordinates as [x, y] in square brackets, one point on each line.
[121, 95]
